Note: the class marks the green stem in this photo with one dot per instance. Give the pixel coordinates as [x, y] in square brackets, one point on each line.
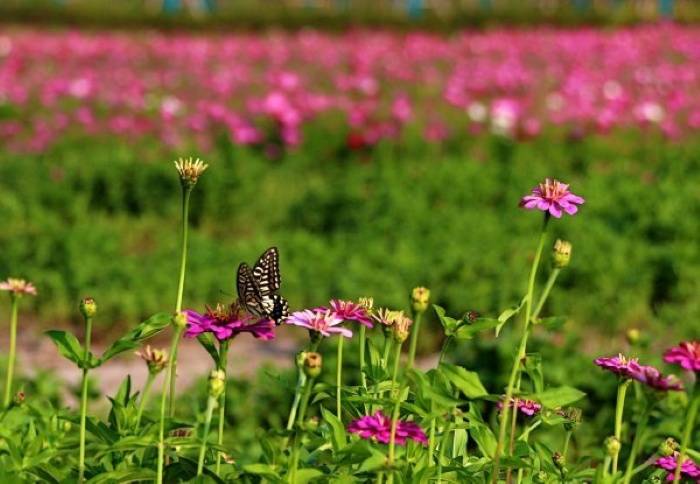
[636, 444]
[443, 350]
[83, 399]
[223, 365]
[163, 407]
[300, 422]
[339, 379]
[211, 403]
[172, 375]
[144, 397]
[545, 293]
[396, 395]
[301, 381]
[619, 411]
[433, 423]
[520, 354]
[388, 345]
[414, 338]
[13, 348]
[567, 440]
[687, 431]
[363, 377]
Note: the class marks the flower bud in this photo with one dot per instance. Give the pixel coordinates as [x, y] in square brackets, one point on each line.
[562, 253]
[155, 359]
[88, 308]
[401, 327]
[179, 320]
[190, 171]
[612, 446]
[573, 418]
[19, 398]
[633, 336]
[67, 426]
[540, 477]
[312, 424]
[217, 382]
[313, 363]
[668, 447]
[558, 460]
[420, 299]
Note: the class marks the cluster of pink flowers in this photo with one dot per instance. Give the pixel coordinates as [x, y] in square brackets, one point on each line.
[378, 427]
[686, 355]
[327, 320]
[689, 469]
[524, 406]
[225, 322]
[263, 89]
[631, 369]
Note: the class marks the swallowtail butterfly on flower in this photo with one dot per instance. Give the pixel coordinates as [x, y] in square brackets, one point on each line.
[257, 287]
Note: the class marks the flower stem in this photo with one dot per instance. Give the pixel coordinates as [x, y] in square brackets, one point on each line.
[396, 395]
[619, 411]
[567, 440]
[211, 403]
[144, 397]
[163, 407]
[223, 364]
[339, 379]
[13, 348]
[687, 431]
[636, 444]
[520, 354]
[414, 338]
[545, 293]
[363, 377]
[186, 192]
[433, 421]
[83, 399]
[300, 421]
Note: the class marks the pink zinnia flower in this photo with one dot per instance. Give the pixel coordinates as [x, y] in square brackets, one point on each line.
[653, 378]
[526, 407]
[324, 322]
[225, 323]
[18, 287]
[620, 365]
[686, 354]
[378, 427]
[688, 468]
[554, 197]
[350, 311]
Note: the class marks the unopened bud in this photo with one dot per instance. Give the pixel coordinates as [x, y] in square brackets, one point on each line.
[313, 363]
[633, 336]
[540, 477]
[558, 460]
[312, 423]
[401, 327]
[67, 426]
[562, 253]
[573, 418]
[19, 398]
[88, 307]
[155, 359]
[612, 446]
[217, 383]
[668, 447]
[179, 320]
[420, 299]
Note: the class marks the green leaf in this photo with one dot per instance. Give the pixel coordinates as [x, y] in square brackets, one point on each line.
[265, 470]
[376, 461]
[144, 330]
[559, 397]
[208, 342]
[448, 324]
[305, 475]
[468, 382]
[338, 437]
[469, 330]
[68, 345]
[533, 368]
[509, 313]
[552, 323]
[124, 475]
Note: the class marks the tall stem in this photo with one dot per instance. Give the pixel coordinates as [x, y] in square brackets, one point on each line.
[223, 365]
[363, 377]
[687, 431]
[414, 338]
[619, 411]
[545, 293]
[144, 397]
[163, 407]
[396, 395]
[636, 443]
[172, 375]
[300, 421]
[83, 399]
[211, 403]
[433, 422]
[13, 348]
[339, 379]
[520, 354]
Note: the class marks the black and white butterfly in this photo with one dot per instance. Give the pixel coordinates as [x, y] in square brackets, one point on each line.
[257, 287]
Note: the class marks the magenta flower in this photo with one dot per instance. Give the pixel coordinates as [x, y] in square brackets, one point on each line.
[620, 365]
[688, 469]
[526, 407]
[653, 378]
[686, 354]
[226, 322]
[554, 197]
[324, 322]
[350, 311]
[378, 427]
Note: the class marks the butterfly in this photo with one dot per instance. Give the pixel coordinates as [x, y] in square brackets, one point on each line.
[258, 286]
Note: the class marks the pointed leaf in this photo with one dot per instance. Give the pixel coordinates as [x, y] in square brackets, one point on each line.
[559, 397]
[338, 437]
[467, 382]
[144, 330]
[68, 345]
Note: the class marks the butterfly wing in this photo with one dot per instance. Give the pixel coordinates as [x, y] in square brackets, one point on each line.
[266, 272]
[276, 307]
[249, 292]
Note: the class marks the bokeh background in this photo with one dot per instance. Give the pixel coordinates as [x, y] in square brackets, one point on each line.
[379, 145]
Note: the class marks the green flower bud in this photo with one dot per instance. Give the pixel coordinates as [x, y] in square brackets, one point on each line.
[19, 398]
[217, 382]
[312, 424]
[633, 336]
[67, 426]
[562, 253]
[420, 299]
[88, 307]
[313, 364]
[612, 446]
[558, 460]
[668, 447]
[540, 477]
[179, 320]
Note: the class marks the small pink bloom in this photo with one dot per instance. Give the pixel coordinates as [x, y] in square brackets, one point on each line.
[350, 311]
[18, 287]
[686, 354]
[620, 365]
[526, 407]
[653, 378]
[378, 427]
[324, 322]
[688, 469]
[554, 197]
[225, 323]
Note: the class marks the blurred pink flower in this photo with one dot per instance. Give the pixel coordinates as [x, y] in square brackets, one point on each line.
[689, 468]
[378, 427]
[525, 406]
[686, 354]
[554, 197]
[18, 287]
